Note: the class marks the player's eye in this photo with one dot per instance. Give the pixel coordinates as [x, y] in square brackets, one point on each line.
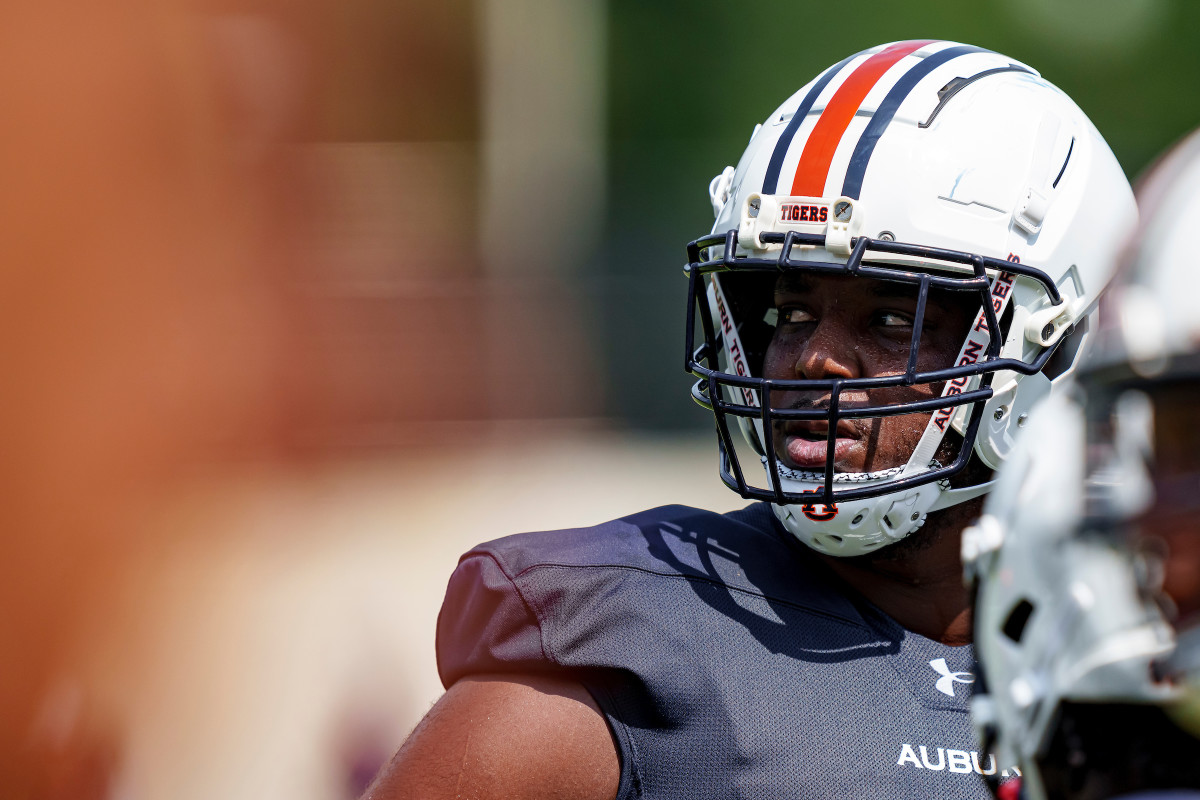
[794, 316]
[893, 319]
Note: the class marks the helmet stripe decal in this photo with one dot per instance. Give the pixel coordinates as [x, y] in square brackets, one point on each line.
[771, 181]
[887, 110]
[818, 151]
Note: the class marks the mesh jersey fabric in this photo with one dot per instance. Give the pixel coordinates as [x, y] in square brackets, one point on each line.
[727, 660]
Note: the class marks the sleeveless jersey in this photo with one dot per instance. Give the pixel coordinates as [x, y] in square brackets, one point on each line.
[728, 661]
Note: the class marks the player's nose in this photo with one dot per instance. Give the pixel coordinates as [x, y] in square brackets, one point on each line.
[830, 352]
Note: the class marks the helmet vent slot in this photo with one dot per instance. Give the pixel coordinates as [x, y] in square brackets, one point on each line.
[1066, 160]
[1018, 619]
[956, 85]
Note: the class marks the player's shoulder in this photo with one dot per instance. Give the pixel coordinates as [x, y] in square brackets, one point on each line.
[745, 550]
[638, 540]
[618, 594]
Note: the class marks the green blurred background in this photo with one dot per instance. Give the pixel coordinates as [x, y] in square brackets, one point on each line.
[688, 80]
[626, 110]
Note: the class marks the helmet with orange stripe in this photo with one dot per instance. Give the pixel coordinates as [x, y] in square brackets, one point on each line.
[904, 260]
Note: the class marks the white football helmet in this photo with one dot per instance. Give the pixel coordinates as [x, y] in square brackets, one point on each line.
[932, 166]
[1086, 562]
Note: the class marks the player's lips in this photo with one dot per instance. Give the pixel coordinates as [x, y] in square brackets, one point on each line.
[807, 443]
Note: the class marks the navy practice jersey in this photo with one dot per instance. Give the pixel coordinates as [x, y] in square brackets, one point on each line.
[727, 659]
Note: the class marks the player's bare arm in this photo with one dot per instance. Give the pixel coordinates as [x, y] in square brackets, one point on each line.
[506, 736]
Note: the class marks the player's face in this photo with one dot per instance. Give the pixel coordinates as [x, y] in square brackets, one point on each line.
[833, 326]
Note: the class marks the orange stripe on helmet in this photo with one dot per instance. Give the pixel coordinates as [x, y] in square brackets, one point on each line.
[818, 151]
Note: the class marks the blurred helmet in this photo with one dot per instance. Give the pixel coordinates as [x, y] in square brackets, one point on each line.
[1086, 562]
[943, 171]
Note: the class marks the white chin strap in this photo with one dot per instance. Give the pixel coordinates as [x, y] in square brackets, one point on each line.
[801, 476]
[857, 527]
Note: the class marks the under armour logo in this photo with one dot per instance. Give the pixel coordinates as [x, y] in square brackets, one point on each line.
[945, 684]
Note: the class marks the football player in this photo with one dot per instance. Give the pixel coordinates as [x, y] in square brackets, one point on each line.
[1087, 560]
[902, 263]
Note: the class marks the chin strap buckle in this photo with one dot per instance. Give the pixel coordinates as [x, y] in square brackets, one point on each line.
[718, 190]
[902, 517]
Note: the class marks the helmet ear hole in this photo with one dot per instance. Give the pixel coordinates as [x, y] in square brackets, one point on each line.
[751, 297]
[1018, 619]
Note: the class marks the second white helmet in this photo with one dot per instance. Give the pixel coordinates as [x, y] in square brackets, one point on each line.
[1086, 562]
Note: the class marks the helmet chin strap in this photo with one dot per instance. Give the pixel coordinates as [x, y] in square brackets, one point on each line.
[949, 497]
[952, 497]
[801, 476]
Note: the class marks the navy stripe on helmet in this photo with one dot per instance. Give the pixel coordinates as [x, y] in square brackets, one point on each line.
[883, 115]
[771, 182]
